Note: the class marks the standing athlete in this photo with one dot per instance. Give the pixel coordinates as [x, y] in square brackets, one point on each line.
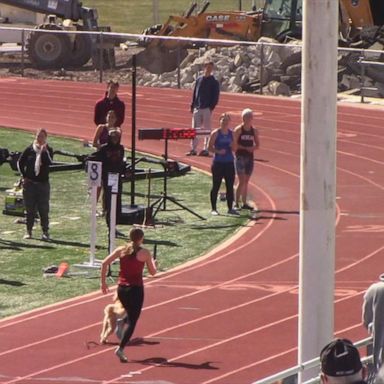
[130, 291]
[246, 141]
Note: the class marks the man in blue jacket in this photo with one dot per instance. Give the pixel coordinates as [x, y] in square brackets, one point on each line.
[205, 97]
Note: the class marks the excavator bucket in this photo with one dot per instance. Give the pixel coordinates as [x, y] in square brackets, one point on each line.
[158, 60]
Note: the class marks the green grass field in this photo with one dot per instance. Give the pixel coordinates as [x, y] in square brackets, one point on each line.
[131, 16]
[180, 236]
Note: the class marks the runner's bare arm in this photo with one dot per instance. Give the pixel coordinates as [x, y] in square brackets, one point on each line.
[145, 256]
[211, 141]
[104, 266]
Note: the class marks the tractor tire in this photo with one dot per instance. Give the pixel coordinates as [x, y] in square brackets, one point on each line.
[81, 51]
[48, 50]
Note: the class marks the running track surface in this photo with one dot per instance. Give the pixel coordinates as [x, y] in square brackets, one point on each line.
[231, 318]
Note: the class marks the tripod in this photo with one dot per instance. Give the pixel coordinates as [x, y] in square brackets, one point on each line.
[162, 200]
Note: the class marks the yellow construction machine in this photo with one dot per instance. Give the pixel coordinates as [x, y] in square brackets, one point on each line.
[162, 55]
[361, 24]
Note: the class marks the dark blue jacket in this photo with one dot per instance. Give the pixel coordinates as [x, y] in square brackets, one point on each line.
[206, 93]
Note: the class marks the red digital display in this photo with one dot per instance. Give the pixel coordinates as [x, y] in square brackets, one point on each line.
[179, 133]
[167, 133]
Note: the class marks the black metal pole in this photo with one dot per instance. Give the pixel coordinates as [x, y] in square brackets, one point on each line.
[165, 174]
[133, 145]
[261, 68]
[101, 57]
[178, 67]
[240, 5]
[22, 52]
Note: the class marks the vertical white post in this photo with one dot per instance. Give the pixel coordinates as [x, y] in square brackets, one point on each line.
[112, 223]
[93, 225]
[318, 178]
[113, 182]
[94, 182]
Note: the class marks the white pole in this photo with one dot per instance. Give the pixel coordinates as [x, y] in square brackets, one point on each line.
[113, 182]
[93, 225]
[112, 223]
[318, 179]
[94, 181]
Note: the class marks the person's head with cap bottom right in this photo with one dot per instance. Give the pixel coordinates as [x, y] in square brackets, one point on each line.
[341, 364]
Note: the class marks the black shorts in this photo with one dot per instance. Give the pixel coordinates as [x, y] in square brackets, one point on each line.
[244, 165]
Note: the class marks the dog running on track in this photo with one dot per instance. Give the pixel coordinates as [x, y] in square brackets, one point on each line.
[112, 312]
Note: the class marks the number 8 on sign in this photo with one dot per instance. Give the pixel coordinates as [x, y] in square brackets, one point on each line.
[94, 173]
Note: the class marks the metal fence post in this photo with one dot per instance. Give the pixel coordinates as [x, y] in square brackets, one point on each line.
[261, 68]
[22, 51]
[362, 76]
[178, 68]
[101, 58]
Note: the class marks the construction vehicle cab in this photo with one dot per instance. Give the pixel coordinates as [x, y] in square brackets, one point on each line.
[282, 19]
[360, 21]
[51, 50]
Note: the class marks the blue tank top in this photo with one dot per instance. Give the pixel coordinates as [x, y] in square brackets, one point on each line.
[224, 141]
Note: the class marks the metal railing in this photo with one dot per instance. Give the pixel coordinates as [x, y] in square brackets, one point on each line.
[361, 56]
[314, 363]
[363, 63]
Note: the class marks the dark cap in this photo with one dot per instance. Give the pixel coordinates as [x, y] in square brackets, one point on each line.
[340, 358]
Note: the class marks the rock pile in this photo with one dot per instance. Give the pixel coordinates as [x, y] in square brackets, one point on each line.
[239, 68]
[270, 68]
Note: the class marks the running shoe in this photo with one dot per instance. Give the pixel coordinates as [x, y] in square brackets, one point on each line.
[45, 236]
[192, 152]
[214, 213]
[28, 235]
[120, 354]
[233, 212]
[204, 153]
[246, 206]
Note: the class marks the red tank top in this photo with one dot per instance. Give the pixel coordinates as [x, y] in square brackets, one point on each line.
[131, 270]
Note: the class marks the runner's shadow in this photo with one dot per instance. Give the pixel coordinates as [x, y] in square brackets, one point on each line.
[162, 362]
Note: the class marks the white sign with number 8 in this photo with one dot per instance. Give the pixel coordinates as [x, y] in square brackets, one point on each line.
[94, 173]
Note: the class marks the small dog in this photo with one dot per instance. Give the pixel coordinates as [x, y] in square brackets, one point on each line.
[112, 312]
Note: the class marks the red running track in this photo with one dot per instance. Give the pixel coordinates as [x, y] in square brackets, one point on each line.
[231, 317]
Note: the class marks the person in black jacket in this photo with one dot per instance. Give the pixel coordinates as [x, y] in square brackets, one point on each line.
[109, 102]
[204, 100]
[33, 165]
[111, 155]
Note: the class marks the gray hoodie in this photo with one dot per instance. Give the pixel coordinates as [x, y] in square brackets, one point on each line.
[373, 318]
